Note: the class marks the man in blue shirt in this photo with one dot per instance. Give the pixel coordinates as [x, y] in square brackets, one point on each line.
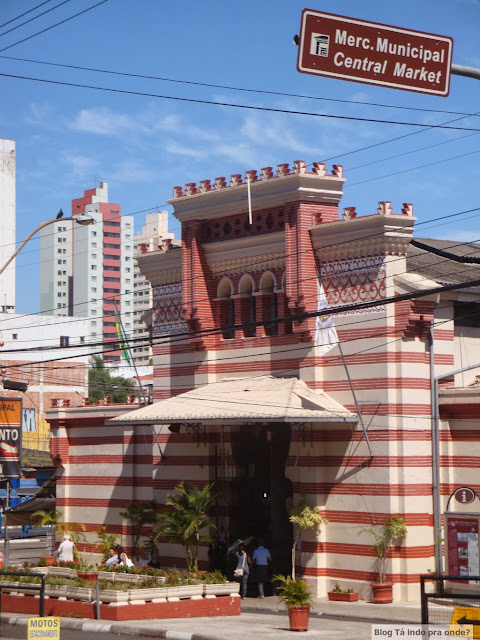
[261, 560]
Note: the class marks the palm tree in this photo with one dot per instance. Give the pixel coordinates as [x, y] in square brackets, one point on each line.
[186, 518]
[48, 519]
[140, 514]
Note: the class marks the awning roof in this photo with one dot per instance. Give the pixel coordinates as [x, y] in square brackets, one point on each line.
[240, 400]
[22, 513]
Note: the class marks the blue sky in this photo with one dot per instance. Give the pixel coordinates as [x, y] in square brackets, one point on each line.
[67, 138]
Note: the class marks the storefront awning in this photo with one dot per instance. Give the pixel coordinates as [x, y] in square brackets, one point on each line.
[241, 400]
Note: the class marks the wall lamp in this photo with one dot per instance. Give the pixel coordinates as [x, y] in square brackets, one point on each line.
[196, 429]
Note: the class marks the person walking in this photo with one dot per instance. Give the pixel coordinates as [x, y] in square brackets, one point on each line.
[242, 570]
[65, 550]
[261, 560]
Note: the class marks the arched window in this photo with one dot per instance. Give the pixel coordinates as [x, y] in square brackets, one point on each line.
[226, 308]
[283, 306]
[268, 304]
[247, 305]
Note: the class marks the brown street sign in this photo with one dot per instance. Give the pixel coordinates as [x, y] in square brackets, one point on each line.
[351, 49]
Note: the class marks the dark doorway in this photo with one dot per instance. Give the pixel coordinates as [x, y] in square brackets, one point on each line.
[260, 489]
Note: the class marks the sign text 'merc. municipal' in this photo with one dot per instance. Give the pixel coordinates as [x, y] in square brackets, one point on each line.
[352, 49]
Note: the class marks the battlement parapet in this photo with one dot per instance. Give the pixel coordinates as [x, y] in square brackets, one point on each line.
[299, 167]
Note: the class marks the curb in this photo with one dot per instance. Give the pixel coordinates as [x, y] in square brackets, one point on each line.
[388, 619]
[110, 627]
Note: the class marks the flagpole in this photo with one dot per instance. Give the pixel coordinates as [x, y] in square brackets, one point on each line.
[127, 345]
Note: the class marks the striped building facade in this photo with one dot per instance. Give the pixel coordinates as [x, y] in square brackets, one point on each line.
[239, 299]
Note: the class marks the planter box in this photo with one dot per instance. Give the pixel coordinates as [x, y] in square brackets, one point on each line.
[108, 576]
[221, 589]
[61, 572]
[56, 590]
[110, 595]
[205, 607]
[339, 596]
[131, 578]
[80, 593]
[184, 591]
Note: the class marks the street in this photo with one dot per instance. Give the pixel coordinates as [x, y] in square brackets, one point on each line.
[263, 625]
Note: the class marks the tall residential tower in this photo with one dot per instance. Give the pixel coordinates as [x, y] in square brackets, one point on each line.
[86, 271]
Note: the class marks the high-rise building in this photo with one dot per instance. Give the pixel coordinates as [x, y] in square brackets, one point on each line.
[153, 236]
[87, 271]
[7, 224]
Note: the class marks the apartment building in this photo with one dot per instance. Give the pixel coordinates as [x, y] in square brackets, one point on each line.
[87, 271]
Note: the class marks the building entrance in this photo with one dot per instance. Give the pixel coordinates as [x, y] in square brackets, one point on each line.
[260, 489]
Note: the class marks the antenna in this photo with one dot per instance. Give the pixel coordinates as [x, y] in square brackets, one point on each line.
[250, 220]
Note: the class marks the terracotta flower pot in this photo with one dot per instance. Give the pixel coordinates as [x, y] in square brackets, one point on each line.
[382, 592]
[298, 617]
[51, 560]
[342, 596]
[88, 576]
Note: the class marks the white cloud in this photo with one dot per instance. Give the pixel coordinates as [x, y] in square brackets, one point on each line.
[133, 170]
[80, 166]
[182, 150]
[104, 121]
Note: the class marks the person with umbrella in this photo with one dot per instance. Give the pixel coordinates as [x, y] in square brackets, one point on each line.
[242, 570]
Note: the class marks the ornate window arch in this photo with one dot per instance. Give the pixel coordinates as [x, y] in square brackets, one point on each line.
[226, 308]
[247, 305]
[268, 306]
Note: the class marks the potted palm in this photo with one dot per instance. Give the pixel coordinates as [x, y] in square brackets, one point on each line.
[297, 597]
[392, 528]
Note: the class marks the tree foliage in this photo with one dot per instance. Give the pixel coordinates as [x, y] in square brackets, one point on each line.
[393, 527]
[305, 518]
[102, 383]
[105, 541]
[189, 514]
[140, 514]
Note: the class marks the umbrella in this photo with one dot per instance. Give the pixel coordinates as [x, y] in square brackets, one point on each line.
[237, 543]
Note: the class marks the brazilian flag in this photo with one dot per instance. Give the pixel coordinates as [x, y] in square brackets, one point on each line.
[121, 338]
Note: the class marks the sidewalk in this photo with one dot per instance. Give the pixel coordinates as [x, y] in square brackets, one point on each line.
[256, 610]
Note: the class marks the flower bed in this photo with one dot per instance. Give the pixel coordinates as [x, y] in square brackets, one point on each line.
[123, 595]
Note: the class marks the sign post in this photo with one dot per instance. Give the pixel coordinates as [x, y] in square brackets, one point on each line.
[46, 628]
[350, 49]
[10, 437]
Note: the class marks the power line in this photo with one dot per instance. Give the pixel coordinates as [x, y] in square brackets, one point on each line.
[34, 18]
[409, 153]
[295, 254]
[231, 104]
[34, 35]
[231, 88]
[311, 314]
[24, 13]
[422, 166]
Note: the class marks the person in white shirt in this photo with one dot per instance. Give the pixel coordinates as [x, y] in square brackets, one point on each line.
[123, 559]
[65, 550]
[113, 559]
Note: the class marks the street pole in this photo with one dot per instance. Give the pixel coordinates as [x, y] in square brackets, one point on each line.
[81, 219]
[461, 70]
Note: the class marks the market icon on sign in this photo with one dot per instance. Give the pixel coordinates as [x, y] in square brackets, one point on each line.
[319, 45]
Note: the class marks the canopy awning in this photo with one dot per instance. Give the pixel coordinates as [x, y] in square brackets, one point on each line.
[240, 400]
[22, 513]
